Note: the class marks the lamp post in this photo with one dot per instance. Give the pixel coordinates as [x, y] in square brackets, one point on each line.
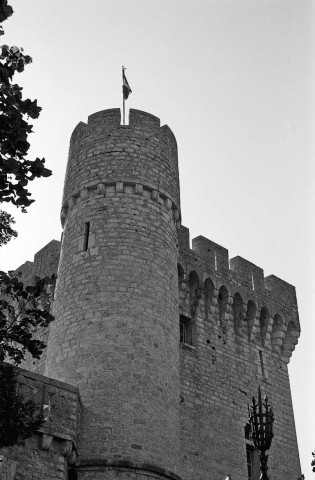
[261, 420]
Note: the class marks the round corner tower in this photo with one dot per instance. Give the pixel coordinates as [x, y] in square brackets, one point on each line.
[115, 335]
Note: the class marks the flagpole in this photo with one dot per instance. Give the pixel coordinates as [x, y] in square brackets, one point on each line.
[123, 96]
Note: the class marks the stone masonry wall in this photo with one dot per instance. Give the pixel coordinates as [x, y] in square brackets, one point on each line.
[233, 350]
[116, 331]
[49, 453]
[45, 264]
[153, 409]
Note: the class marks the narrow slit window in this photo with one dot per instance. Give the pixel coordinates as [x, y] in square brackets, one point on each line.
[261, 358]
[253, 464]
[182, 332]
[252, 456]
[86, 236]
[249, 460]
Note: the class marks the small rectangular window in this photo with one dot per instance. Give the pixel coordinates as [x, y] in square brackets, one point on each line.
[86, 236]
[247, 431]
[253, 464]
[249, 459]
[185, 330]
[182, 332]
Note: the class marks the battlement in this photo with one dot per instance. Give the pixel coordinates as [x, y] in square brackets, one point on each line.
[138, 118]
[215, 256]
[108, 117]
[45, 264]
[24, 272]
[105, 155]
[78, 132]
[251, 275]
[165, 341]
[111, 118]
[46, 260]
[283, 290]
[248, 275]
[238, 292]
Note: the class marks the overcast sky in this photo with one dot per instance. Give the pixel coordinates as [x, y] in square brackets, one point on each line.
[234, 80]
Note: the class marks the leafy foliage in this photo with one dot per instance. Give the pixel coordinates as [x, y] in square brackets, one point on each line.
[19, 418]
[22, 309]
[5, 12]
[6, 231]
[15, 170]
[22, 312]
[313, 462]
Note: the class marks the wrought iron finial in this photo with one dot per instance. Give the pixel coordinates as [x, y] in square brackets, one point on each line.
[261, 420]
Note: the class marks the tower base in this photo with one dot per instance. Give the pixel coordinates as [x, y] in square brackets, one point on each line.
[122, 470]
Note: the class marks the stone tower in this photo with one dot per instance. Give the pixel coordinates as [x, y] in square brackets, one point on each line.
[116, 330]
[158, 344]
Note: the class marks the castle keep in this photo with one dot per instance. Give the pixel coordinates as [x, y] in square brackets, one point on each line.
[157, 347]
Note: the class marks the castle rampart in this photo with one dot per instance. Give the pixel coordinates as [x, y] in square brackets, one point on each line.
[238, 331]
[54, 448]
[104, 148]
[116, 330]
[45, 264]
[238, 275]
[166, 343]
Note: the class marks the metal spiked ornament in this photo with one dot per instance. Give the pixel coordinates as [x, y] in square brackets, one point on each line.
[261, 420]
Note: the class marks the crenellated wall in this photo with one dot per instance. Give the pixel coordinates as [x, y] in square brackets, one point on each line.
[115, 335]
[244, 328]
[281, 327]
[166, 364]
[45, 264]
[141, 158]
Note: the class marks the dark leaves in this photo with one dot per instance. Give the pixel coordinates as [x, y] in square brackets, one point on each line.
[37, 168]
[6, 231]
[19, 418]
[5, 10]
[16, 171]
[23, 310]
[30, 108]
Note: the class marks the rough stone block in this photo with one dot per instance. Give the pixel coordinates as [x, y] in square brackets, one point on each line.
[216, 256]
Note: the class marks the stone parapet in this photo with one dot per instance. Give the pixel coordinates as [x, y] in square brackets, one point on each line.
[274, 325]
[103, 151]
[54, 447]
[115, 333]
[238, 332]
[45, 264]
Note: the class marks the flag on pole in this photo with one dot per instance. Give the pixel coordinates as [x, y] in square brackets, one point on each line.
[126, 89]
